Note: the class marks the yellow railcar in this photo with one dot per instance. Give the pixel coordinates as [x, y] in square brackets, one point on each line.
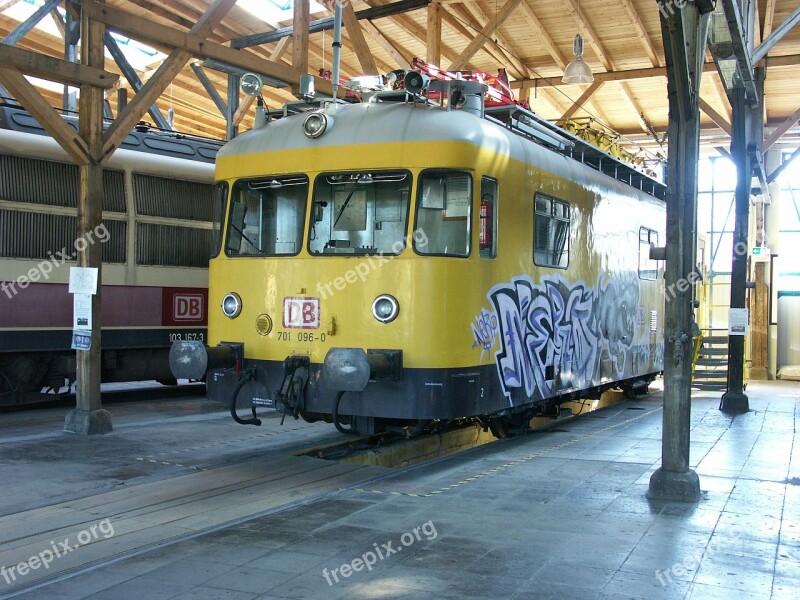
[394, 262]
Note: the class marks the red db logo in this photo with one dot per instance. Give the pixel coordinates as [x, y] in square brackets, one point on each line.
[187, 307]
[301, 313]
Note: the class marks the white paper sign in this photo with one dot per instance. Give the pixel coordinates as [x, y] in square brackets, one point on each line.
[738, 321]
[83, 280]
[82, 311]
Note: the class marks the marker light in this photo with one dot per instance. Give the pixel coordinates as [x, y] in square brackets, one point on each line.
[232, 305]
[316, 124]
[385, 308]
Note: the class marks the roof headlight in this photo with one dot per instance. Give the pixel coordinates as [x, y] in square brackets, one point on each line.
[385, 308]
[232, 305]
[316, 124]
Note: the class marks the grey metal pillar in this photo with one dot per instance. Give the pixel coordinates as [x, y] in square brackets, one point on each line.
[233, 105]
[734, 400]
[684, 34]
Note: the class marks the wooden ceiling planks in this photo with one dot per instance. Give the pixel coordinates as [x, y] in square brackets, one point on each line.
[534, 41]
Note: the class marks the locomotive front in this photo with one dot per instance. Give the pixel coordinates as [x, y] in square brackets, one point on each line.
[332, 234]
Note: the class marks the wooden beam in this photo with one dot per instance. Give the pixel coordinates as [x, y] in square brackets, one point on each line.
[90, 216]
[280, 49]
[588, 33]
[55, 69]
[501, 49]
[501, 43]
[769, 18]
[300, 35]
[578, 104]
[166, 72]
[778, 132]
[187, 44]
[714, 116]
[195, 44]
[716, 81]
[724, 152]
[356, 36]
[641, 32]
[485, 33]
[59, 22]
[593, 38]
[790, 60]
[4, 4]
[243, 109]
[413, 29]
[638, 112]
[543, 35]
[34, 103]
[402, 61]
[433, 51]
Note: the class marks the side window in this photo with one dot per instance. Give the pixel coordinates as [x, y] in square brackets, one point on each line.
[551, 220]
[648, 269]
[487, 239]
[444, 209]
[218, 215]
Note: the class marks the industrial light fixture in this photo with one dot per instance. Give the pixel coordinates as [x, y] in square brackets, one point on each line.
[578, 71]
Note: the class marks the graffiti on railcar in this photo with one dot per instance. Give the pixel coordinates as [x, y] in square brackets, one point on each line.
[555, 335]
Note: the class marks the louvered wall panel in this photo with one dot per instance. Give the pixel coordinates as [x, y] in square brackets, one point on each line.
[38, 181]
[53, 183]
[114, 191]
[167, 245]
[172, 198]
[37, 235]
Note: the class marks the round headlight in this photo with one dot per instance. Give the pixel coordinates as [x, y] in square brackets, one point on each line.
[385, 308]
[231, 305]
[316, 124]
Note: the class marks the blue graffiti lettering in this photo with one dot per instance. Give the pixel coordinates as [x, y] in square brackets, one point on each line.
[555, 336]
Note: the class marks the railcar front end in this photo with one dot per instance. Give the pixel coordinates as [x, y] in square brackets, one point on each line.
[358, 249]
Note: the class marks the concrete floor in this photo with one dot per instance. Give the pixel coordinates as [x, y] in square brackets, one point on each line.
[558, 514]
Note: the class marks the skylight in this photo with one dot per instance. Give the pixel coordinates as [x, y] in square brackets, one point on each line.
[274, 12]
[139, 55]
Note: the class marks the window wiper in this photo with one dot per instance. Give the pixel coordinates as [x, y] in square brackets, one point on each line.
[346, 202]
[247, 239]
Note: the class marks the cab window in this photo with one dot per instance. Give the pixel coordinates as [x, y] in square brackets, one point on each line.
[444, 211]
[266, 216]
[359, 213]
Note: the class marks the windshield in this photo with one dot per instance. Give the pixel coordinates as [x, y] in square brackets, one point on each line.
[266, 216]
[360, 213]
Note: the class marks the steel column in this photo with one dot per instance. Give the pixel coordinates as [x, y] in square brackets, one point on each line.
[684, 33]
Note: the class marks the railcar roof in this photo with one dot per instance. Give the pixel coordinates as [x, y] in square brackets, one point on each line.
[370, 123]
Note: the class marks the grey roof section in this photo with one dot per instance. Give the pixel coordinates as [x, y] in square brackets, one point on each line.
[371, 123]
